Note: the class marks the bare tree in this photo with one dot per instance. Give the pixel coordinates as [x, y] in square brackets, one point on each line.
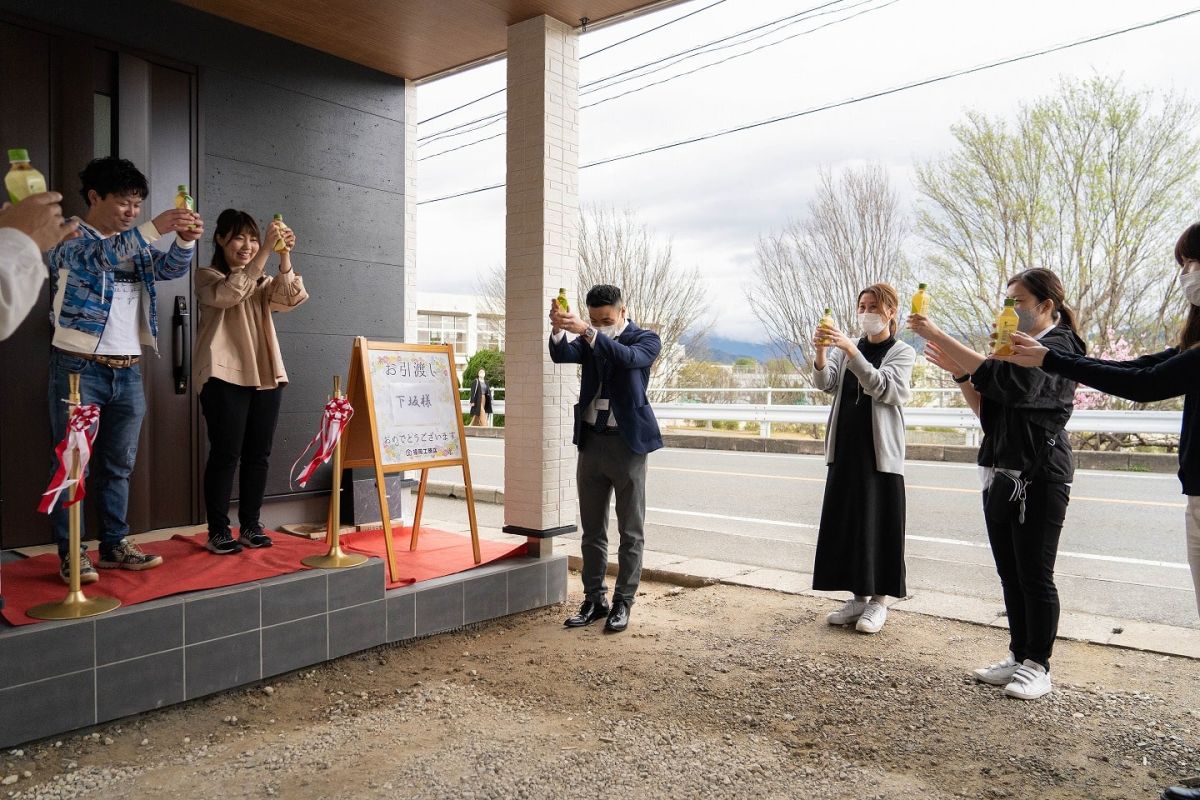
[1093, 182]
[851, 236]
[616, 248]
[490, 289]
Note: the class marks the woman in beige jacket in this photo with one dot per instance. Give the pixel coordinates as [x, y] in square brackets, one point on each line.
[239, 370]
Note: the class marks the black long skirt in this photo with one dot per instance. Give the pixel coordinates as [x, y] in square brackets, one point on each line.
[860, 547]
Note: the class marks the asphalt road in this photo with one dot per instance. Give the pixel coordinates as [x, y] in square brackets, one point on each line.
[1122, 552]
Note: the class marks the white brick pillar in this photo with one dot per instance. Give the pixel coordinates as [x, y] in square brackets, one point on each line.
[541, 250]
[410, 212]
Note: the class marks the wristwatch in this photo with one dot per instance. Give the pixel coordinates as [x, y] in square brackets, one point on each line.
[589, 332]
[963, 378]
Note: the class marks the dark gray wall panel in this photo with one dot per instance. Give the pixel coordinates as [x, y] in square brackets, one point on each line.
[308, 135]
[333, 219]
[346, 298]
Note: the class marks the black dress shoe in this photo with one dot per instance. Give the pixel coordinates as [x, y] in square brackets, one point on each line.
[1180, 793]
[589, 612]
[618, 618]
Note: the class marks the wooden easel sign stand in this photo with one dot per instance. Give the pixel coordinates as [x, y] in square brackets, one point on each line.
[407, 416]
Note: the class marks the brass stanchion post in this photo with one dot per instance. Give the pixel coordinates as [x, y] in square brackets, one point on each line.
[335, 558]
[75, 605]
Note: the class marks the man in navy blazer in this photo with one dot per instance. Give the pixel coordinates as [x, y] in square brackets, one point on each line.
[615, 429]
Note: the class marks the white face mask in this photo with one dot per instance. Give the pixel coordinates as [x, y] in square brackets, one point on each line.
[1190, 284]
[871, 324]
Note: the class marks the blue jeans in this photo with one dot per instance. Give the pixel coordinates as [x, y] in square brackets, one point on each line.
[122, 403]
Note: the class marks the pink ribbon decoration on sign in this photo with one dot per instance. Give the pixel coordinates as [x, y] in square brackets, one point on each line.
[334, 420]
[82, 426]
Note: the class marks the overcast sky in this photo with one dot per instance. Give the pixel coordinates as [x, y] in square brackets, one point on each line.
[715, 198]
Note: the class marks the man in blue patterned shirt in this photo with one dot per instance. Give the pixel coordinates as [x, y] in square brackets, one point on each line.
[103, 312]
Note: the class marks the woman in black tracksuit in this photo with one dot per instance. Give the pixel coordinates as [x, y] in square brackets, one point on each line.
[1158, 376]
[1026, 467]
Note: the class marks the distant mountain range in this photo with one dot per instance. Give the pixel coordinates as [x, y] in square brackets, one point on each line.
[725, 351]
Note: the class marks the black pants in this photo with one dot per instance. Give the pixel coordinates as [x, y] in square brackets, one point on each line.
[1025, 554]
[241, 424]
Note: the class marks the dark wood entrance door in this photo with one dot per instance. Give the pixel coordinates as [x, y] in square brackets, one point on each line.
[68, 100]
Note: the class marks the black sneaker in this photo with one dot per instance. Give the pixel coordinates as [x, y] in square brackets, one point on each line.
[222, 544]
[127, 555]
[87, 573]
[254, 536]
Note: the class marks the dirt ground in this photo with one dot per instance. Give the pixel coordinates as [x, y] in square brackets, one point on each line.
[719, 692]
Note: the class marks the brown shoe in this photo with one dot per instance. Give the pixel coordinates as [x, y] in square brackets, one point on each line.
[87, 573]
[127, 555]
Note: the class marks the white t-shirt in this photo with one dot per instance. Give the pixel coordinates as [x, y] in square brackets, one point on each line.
[122, 331]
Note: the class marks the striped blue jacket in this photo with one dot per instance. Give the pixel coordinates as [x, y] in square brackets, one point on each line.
[81, 282]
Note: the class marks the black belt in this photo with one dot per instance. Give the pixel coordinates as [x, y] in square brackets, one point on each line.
[611, 430]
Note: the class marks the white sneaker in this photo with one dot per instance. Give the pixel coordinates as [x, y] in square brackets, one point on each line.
[848, 613]
[872, 619]
[1030, 682]
[998, 674]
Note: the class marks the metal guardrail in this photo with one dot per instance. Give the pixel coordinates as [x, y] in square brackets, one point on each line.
[1156, 422]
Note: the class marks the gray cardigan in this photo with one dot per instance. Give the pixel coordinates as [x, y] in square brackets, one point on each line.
[888, 387]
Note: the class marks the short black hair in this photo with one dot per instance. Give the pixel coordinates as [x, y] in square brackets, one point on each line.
[112, 175]
[603, 295]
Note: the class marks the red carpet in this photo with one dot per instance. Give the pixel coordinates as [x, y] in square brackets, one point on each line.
[188, 567]
[438, 553]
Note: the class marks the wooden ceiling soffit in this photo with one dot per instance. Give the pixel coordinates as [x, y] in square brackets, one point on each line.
[410, 38]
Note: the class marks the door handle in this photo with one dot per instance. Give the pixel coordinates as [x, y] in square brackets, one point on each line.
[182, 345]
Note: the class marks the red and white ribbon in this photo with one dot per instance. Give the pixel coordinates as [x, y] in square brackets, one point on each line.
[336, 416]
[75, 447]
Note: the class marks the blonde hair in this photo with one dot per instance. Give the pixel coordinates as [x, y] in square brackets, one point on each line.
[889, 298]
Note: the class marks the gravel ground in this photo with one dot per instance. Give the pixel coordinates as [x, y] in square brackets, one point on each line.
[721, 692]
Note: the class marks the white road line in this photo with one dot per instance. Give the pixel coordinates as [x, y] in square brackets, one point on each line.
[1141, 476]
[911, 537]
[754, 520]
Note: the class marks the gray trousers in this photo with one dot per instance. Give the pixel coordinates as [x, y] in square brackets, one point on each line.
[606, 464]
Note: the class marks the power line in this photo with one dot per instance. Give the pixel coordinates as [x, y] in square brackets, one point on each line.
[460, 108]
[601, 50]
[735, 56]
[463, 146]
[854, 100]
[797, 17]
[652, 30]
[487, 122]
[691, 52]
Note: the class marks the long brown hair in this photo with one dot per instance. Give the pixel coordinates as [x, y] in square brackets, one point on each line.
[887, 297]
[231, 223]
[1045, 285]
[1188, 248]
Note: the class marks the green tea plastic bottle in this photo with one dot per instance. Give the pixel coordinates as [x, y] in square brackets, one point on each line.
[280, 244]
[1006, 323]
[22, 179]
[920, 301]
[826, 323]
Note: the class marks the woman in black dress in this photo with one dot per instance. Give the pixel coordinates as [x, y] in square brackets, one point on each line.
[860, 547]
